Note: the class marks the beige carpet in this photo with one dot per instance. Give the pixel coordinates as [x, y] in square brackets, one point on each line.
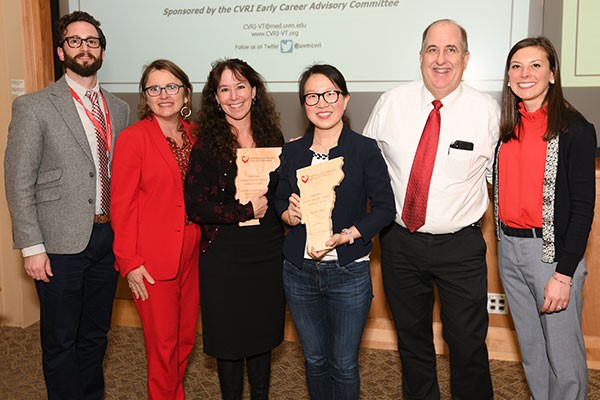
[21, 373]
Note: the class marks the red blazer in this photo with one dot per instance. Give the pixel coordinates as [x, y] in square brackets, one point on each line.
[147, 207]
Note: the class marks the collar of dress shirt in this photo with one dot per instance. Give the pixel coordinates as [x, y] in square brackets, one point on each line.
[80, 90]
[427, 98]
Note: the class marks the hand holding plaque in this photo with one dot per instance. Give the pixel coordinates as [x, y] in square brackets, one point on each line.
[253, 168]
[317, 183]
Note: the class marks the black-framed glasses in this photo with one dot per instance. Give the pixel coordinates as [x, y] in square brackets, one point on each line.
[155, 91]
[75, 42]
[330, 97]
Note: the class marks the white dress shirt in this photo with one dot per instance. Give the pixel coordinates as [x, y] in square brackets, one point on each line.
[458, 194]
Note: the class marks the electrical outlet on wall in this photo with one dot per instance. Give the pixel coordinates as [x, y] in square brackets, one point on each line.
[496, 303]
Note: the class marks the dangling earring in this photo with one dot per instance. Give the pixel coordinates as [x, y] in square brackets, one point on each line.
[253, 100]
[552, 81]
[508, 84]
[185, 112]
[219, 107]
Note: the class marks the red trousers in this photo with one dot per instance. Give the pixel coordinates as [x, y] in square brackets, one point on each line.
[169, 317]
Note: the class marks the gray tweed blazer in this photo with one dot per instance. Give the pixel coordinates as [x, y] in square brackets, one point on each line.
[49, 170]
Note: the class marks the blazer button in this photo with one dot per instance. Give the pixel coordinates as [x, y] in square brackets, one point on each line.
[91, 201]
[91, 174]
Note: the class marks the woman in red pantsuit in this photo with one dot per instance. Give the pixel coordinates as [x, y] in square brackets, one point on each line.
[156, 247]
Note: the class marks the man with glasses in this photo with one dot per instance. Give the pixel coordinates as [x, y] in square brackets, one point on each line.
[57, 187]
[437, 136]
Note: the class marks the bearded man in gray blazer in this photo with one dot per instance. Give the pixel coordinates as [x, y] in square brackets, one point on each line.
[56, 173]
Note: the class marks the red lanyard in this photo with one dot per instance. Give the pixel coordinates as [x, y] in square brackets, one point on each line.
[106, 136]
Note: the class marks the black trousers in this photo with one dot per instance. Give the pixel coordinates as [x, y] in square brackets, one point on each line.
[412, 264]
[75, 314]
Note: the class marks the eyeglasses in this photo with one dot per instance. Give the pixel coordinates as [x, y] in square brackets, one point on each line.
[75, 42]
[330, 97]
[155, 91]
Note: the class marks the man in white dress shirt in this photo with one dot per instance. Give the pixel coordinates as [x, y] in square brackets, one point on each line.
[446, 249]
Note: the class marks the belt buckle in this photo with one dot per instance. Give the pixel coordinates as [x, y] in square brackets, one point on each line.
[101, 218]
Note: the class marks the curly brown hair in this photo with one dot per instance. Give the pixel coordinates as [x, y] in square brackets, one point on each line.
[214, 128]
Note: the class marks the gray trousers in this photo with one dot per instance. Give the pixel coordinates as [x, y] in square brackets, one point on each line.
[552, 346]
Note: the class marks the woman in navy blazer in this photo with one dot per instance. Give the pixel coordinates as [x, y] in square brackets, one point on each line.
[329, 291]
[156, 247]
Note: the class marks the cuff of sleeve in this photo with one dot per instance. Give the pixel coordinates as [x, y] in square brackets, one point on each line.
[33, 250]
[247, 212]
[567, 265]
[126, 266]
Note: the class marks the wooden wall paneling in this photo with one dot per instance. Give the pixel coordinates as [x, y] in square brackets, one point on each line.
[591, 289]
[37, 39]
[502, 342]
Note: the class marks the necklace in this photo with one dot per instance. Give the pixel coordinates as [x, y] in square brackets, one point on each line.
[323, 147]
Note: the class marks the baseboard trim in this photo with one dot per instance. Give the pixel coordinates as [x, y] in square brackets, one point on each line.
[381, 334]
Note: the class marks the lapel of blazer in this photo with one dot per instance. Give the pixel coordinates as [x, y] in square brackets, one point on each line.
[160, 143]
[60, 96]
[114, 115]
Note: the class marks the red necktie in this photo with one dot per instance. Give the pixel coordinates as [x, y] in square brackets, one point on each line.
[417, 191]
[102, 151]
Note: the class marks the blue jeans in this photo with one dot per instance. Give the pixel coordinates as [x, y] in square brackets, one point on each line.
[329, 304]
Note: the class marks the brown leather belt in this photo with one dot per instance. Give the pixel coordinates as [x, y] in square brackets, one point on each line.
[101, 218]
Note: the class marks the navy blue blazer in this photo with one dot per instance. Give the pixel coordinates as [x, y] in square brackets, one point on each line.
[365, 177]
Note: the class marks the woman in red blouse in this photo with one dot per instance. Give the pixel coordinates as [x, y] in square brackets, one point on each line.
[544, 190]
[156, 247]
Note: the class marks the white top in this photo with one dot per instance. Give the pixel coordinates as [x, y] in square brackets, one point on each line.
[458, 194]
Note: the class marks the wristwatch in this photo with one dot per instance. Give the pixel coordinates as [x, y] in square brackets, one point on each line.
[349, 233]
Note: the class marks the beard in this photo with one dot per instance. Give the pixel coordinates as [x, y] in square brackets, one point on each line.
[84, 70]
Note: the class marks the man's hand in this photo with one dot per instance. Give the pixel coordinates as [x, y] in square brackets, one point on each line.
[38, 267]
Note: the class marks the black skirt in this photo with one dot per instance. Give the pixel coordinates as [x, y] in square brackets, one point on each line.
[241, 290]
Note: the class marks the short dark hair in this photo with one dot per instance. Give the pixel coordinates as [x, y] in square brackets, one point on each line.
[162, 65]
[76, 16]
[331, 73]
[463, 33]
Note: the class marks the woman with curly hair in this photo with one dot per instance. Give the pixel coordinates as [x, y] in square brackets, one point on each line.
[240, 280]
